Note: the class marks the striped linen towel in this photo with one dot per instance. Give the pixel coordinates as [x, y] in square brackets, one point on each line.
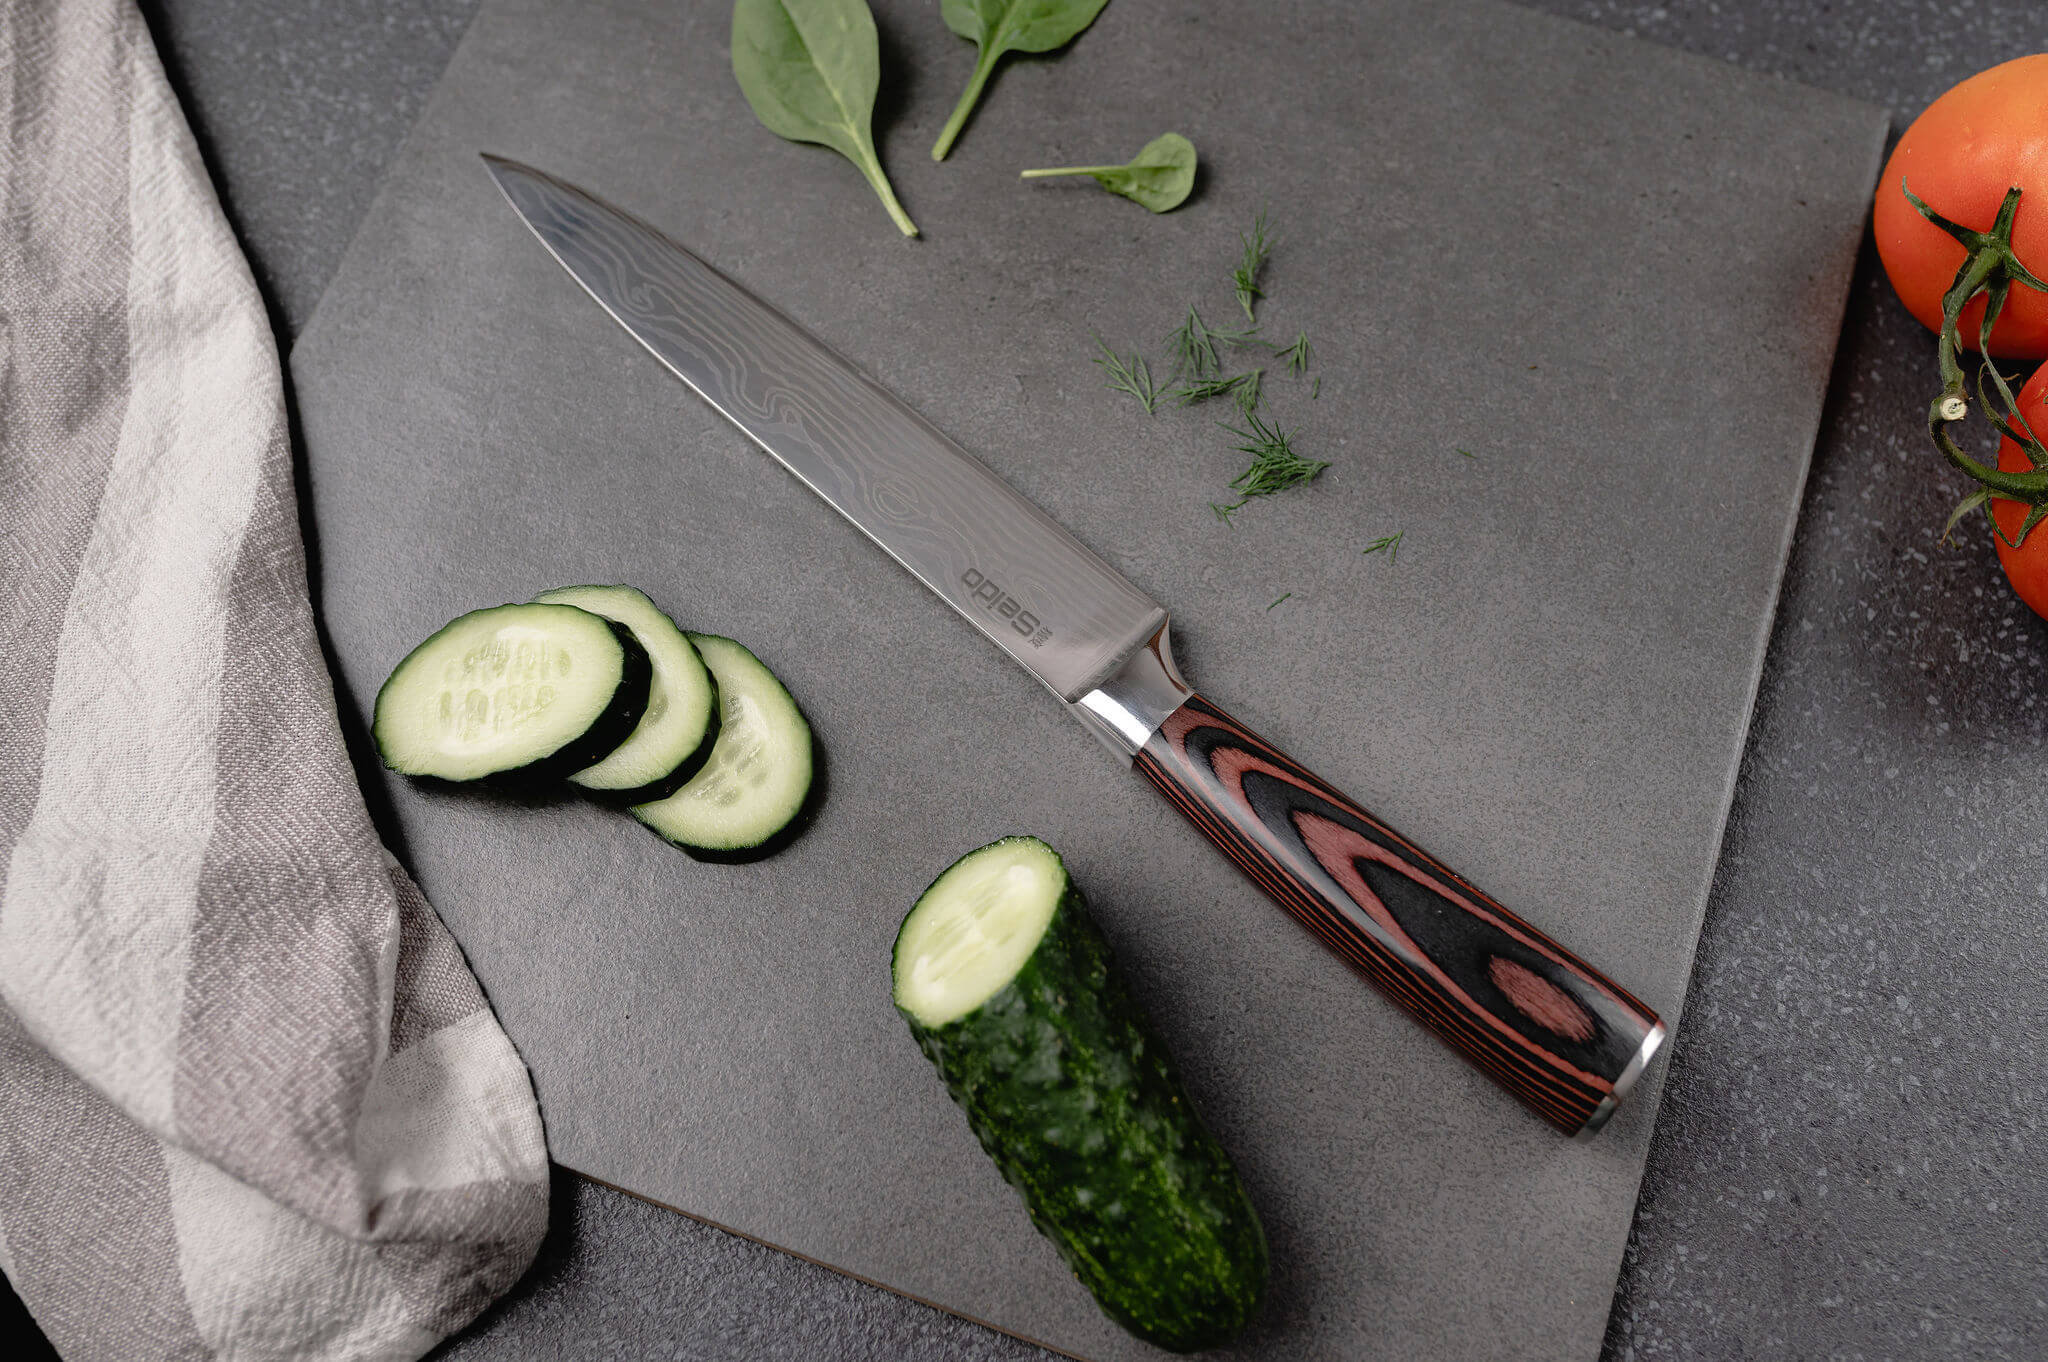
[252, 1102]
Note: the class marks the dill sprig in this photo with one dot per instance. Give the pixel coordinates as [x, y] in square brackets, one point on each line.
[1389, 544]
[1131, 376]
[1269, 609]
[1244, 387]
[1245, 278]
[1194, 345]
[1202, 389]
[1297, 355]
[1248, 392]
[1275, 466]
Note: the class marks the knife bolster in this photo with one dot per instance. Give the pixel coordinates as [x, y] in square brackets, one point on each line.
[1137, 698]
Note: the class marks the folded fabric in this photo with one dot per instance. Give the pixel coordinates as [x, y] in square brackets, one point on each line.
[252, 1102]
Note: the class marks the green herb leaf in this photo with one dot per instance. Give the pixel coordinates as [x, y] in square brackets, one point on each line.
[1204, 388]
[1132, 376]
[999, 26]
[1248, 392]
[1245, 278]
[1275, 466]
[1160, 177]
[1237, 385]
[1389, 544]
[1296, 355]
[810, 70]
[1194, 345]
[1269, 609]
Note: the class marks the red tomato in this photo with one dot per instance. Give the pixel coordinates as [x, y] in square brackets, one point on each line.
[1974, 143]
[2026, 567]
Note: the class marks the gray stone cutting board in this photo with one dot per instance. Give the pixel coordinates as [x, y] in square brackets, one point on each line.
[1611, 272]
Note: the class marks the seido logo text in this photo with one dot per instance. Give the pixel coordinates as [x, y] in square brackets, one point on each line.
[990, 596]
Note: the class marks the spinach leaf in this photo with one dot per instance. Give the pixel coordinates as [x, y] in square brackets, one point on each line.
[999, 26]
[1160, 176]
[810, 69]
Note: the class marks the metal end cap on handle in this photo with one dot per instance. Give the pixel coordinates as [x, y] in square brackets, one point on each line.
[1623, 1084]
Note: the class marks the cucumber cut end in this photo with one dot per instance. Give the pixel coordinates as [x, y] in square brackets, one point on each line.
[971, 932]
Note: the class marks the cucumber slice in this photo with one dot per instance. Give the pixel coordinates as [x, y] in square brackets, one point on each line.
[675, 734]
[513, 693]
[1012, 994]
[759, 774]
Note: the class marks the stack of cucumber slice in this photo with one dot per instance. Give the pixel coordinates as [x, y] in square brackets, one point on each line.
[596, 686]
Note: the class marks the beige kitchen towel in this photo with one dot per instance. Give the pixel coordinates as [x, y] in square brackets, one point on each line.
[252, 1102]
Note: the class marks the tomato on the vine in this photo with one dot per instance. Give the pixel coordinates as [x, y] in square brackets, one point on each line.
[1983, 137]
[2026, 567]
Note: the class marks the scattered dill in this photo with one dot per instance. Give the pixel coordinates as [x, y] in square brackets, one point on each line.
[1269, 609]
[1275, 466]
[1316, 389]
[1131, 376]
[1194, 345]
[1248, 392]
[1389, 544]
[1201, 389]
[1468, 453]
[1245, 278]
[1243, 387]
[1296, 355]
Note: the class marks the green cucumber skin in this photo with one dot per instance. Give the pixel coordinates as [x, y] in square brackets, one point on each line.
[613, 727]
[621, 716]
[617, 724]
[1078, 1104]
[776, 842]
[674, 780]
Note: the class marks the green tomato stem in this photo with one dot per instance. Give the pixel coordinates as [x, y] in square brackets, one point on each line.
[983, 66]
[1990, 268]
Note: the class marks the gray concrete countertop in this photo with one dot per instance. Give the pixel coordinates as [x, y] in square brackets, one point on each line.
[1850, 1159]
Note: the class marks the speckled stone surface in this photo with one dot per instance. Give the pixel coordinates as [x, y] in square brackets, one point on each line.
[1849, 1162]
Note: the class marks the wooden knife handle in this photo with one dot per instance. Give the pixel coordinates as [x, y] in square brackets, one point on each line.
[1548, 1027]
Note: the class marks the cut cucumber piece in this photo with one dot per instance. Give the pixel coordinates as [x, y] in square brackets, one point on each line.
[759, 774]
[973, 930]
[675, 734]
[1012, 994]
[513, 693]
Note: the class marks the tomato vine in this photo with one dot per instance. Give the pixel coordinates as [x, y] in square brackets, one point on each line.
[1989, 268]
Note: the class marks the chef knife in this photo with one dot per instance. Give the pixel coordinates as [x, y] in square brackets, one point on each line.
[1549, 1028]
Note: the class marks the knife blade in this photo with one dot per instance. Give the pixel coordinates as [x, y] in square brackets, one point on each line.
[1556, 1033]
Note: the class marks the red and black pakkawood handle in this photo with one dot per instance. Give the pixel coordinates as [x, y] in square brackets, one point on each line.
[1545, 1025]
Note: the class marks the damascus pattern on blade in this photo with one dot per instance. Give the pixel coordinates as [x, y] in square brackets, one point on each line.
[1041, 594]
